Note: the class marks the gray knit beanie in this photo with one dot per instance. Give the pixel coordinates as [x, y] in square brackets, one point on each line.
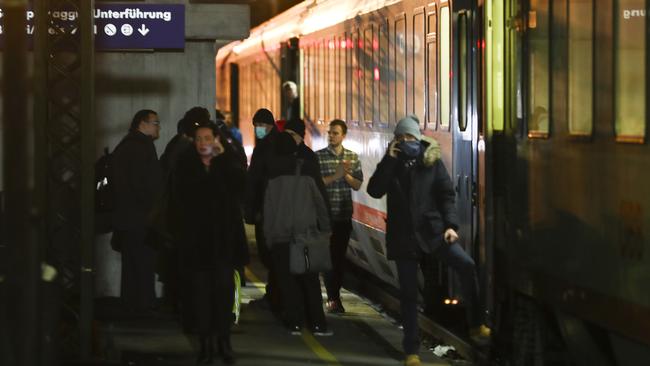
[409, 124]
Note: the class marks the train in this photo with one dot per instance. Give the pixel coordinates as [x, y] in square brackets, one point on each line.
[540, 108]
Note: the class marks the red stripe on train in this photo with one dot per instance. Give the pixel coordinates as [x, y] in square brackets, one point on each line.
[369, 216]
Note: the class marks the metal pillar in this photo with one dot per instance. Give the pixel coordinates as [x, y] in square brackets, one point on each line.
[64, 112]
[23, 275]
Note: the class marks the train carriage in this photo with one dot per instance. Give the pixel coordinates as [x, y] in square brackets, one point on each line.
[540, 109]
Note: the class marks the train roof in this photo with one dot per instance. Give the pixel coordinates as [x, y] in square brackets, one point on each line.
[304, 18]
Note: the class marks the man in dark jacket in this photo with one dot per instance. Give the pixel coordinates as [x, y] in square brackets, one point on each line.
[422, 221]
[138, 182]
[183, 139]
[265, 134]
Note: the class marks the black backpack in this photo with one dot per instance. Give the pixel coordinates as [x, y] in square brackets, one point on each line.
[104, 193]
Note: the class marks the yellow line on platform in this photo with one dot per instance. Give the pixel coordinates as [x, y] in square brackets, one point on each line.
[319, 350]
[307, 337]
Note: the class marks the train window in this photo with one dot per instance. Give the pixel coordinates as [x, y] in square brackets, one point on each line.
[383, 74]
[342, 78]
[463, 59]
[630, 58]
[312, 82]
[496, 64]
[335, 77]
[254, 86]
[539, 69]
[322, 80]
[324, 87]
[316, 72]
[355, 76]
[445, 67]
[581, 45]
[332, 74]
[313, 85]
[432, 70]
[306, 98]
[310, 75]
[368, 77]
[418, 48]
[391, 73]
[400, 68]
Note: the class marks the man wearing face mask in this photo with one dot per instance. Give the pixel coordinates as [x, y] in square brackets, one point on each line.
[265, 134]
[422, 221]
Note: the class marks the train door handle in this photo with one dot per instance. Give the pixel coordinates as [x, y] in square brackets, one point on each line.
[474, 194]
[457, 188]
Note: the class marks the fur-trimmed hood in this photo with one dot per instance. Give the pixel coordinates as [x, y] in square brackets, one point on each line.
[432, 152]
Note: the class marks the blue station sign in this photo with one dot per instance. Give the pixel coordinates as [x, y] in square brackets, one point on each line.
[140, 26]
[121, 26]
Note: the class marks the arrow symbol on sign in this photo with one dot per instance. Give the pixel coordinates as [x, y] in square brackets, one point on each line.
[143, 30]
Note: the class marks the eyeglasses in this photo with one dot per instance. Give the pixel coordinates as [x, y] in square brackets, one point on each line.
[157, 123]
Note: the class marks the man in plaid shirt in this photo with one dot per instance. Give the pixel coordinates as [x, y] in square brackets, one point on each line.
[341, 171]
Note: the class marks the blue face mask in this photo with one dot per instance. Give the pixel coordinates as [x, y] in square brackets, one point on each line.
[260, 132]
[409, 149]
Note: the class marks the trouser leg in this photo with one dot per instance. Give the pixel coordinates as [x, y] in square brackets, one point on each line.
[171, 276]
[313, 298]
[138, 270]
[266, 256]
[464, 266]
[293, 299]
[224, 297]
[407, 270]
[431, 288]
[262, 248]
[339, 242]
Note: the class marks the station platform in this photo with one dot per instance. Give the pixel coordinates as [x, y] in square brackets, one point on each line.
[363, 336]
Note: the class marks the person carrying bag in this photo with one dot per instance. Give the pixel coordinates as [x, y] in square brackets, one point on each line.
[309, 251]
[297, 228]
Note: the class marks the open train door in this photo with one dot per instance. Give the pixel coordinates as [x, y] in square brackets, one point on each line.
[465, 110]
[289, 71]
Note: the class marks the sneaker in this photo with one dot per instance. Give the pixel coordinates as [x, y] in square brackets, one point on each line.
[335, 307]
[412, 360]
[295, 330]
[321, 331]
[480, 335]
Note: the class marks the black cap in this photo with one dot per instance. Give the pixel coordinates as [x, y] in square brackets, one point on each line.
[297, 126]
[186, 127]
[265, 116]
[197, 115]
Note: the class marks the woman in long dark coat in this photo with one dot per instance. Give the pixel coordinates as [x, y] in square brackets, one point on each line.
[207, 188]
